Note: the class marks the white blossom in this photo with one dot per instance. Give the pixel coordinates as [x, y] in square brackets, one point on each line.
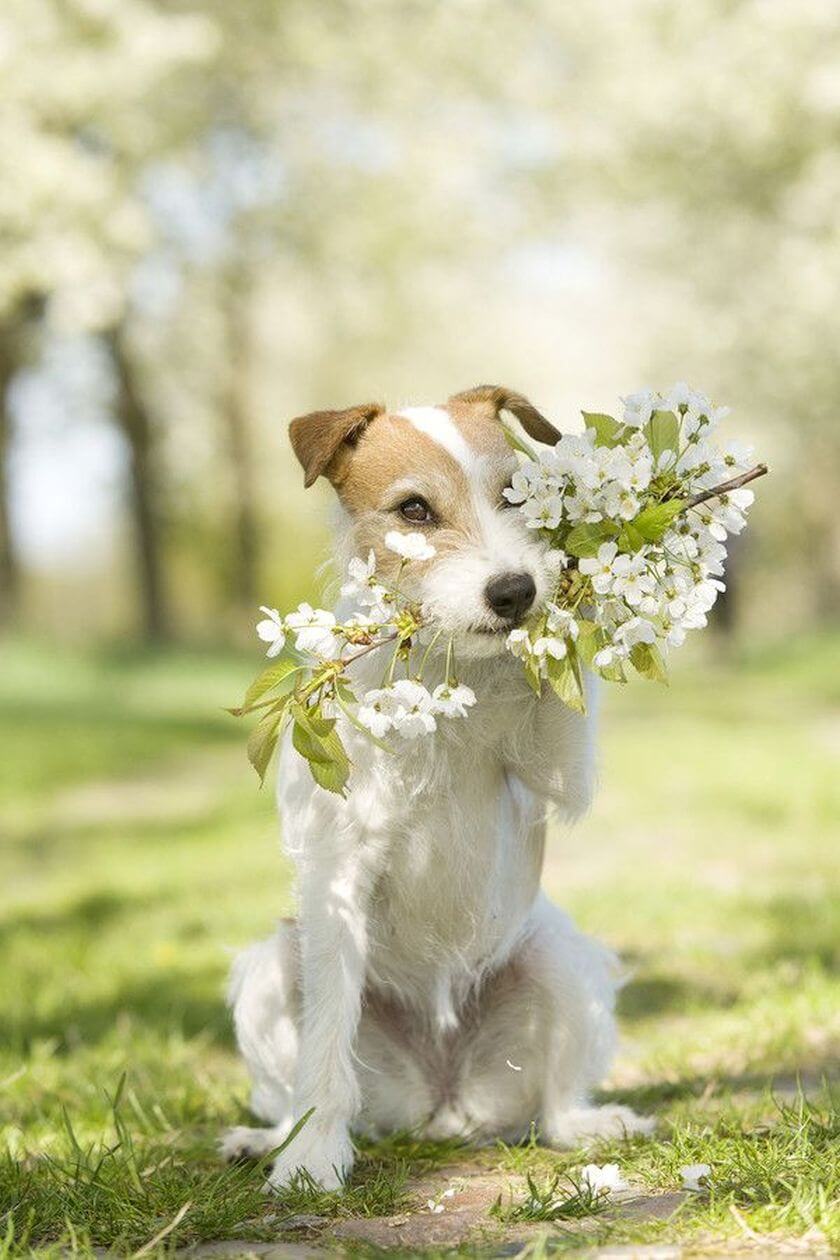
[550, 645]
[635, 630]
[405, 706]
[360, 573]
[602, 1178]
[313, 631]
[730, 511]
[377, 601]
[694, 1175]
[631, 579]
[639, 407]
[411, 546]
[561, 621]
[375, 712]
[453, 701]
[520, 487]
[272, 631]
[519, 643]
[600, 567]
[543, 512]
[608, 656]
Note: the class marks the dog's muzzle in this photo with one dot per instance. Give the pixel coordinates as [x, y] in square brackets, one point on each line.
[510, 595]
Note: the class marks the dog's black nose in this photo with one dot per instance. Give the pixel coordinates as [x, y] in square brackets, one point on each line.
[511, 595]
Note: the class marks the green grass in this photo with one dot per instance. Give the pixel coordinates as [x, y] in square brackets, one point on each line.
[137, 854]
[556, 1198]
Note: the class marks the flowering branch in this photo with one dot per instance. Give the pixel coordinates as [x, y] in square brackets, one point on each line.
[635, 573]
[735, 483]
[323, 685]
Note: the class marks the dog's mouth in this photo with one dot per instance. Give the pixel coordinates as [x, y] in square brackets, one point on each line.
[480, 633]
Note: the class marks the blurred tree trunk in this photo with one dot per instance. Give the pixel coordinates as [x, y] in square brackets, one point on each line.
[818, 506]
[136, 425]
[237, 422]
[9, 563]
[9, 567]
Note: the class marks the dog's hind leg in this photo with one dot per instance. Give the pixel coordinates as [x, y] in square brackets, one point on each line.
[578, 978]
[263, 994]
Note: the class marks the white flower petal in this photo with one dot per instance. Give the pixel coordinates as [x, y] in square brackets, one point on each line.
[693, 1175]
[412, 546]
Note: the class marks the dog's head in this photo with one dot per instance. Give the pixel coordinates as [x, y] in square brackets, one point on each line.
[439, 471]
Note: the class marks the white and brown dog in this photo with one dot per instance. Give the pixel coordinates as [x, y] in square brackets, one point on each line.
[428, 983]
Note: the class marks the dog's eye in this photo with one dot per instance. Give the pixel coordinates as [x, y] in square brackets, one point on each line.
[416, 510]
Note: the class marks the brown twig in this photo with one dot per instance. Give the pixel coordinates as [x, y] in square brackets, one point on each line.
[735, 484]
[370, 647]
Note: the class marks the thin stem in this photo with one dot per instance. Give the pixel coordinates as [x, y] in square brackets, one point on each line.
[371, 647]
[448, 671]
[760, 470]
[425, 655]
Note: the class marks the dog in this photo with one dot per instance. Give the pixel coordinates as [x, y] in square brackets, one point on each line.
[428, 983]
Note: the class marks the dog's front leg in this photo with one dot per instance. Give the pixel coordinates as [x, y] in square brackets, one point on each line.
[335, 884]
[551, 749]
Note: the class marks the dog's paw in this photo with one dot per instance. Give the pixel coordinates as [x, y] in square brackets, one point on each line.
[241, 1143]
[326, 1158]
[581, 1126]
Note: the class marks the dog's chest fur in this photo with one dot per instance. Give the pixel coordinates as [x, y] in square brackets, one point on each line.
[461, 872]
[451, 843]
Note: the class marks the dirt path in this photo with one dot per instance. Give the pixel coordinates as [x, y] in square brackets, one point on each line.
[451, 1209]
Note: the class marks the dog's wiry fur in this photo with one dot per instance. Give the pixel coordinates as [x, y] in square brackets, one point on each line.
[428, 982]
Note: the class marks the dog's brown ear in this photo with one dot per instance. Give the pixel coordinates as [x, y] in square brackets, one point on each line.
[495, 398]
[316, 438]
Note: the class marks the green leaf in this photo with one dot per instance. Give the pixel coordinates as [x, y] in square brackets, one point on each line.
[344, 691]
[663, 433]
[316, 739]
[653, 521]
[331, 775]
[614, 672]
[271, 677]
[608, 432]
[647, 660]
[566, 680]
[263, 740]
[315, 721]
[589, 640]
[630, 538]
[516, 442]
[533, 675]
[312, 734]
[584, 540]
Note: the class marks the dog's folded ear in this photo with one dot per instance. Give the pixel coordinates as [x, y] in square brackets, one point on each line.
[318, 437]
[495, 398]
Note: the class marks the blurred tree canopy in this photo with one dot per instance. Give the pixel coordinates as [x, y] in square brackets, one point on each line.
[256, 209]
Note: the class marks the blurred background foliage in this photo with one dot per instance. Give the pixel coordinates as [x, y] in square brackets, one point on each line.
[216, 216]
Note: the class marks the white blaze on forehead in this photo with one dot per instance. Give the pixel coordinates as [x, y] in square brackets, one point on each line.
[439, 425]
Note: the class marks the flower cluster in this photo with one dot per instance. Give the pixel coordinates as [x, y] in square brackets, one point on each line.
[635, 513]
[639, 509]
[311, 691]
[410, 709]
